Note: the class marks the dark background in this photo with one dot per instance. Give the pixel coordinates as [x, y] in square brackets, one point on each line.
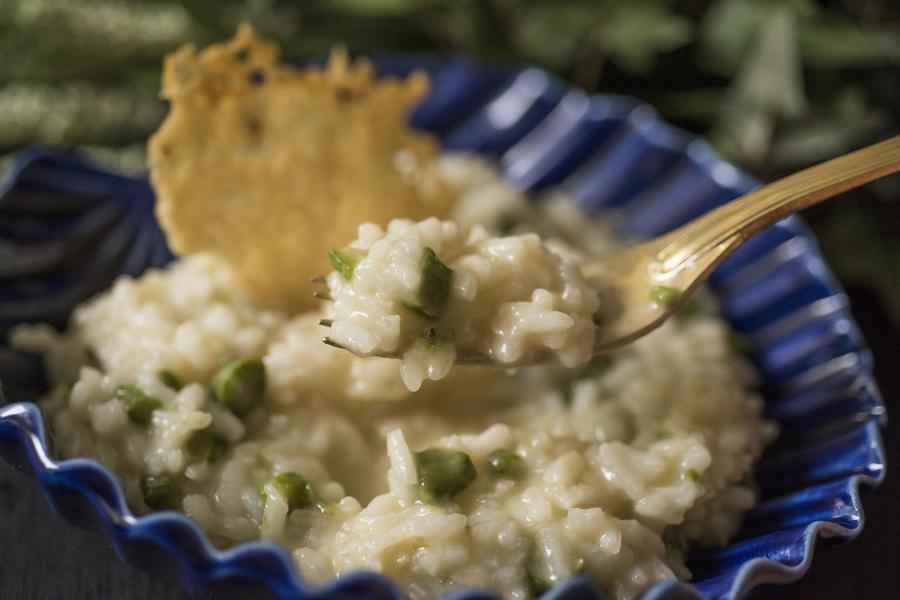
[775, 85]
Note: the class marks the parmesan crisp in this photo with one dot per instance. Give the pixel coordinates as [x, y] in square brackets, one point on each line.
[269, 166]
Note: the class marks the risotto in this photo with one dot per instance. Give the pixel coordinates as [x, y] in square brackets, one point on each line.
[425, 290]
[199, 400]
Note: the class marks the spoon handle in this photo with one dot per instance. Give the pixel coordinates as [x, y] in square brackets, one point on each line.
[732, 223]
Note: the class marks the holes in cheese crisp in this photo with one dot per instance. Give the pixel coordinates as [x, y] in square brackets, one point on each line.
[257, 77]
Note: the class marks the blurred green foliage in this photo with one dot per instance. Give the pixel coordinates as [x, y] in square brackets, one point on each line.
[774, 84]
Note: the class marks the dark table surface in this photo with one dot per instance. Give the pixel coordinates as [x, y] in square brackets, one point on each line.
[44, 558]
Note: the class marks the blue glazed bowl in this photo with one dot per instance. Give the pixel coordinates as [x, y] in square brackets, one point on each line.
[68, 228]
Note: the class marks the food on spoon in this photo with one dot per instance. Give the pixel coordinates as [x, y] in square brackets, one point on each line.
[664, 295]
[431, 290]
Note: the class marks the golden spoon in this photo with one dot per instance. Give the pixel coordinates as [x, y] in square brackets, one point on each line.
[682, 259]
[643, 285]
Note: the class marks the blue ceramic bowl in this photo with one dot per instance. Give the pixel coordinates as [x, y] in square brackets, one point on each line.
[67, 228]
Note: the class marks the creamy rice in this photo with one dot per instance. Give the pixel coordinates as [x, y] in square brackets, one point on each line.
[510, 299]
[620, 464]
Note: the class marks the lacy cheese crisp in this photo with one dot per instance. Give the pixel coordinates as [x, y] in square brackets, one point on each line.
[269, 166]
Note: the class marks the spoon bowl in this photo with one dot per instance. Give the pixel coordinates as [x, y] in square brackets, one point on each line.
[680, 261]
[641, 286]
